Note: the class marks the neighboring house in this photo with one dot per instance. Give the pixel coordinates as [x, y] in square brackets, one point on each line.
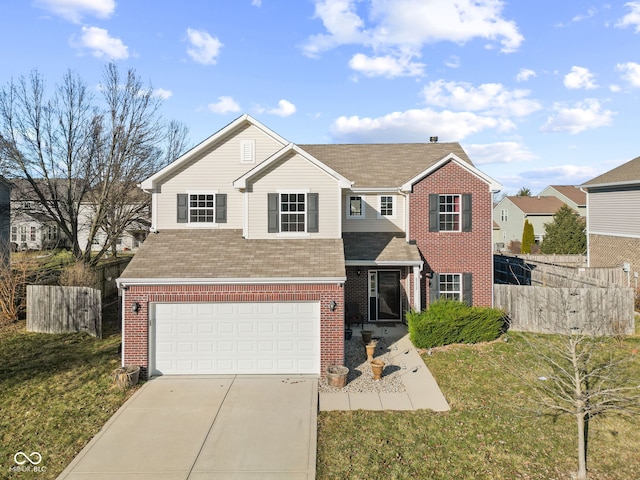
[572, 196]
[613, 218]
[34, 231]
[259, 244]
[511, 212]
[5, 217]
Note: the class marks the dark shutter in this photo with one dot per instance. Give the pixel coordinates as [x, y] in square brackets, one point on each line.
[467, 289]
[434, 210]
[221, 208]
[434, 287]
[273, 213]
[312, 212]
[466, 212]
[183, 208]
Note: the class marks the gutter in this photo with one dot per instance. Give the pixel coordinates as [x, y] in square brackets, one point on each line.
[128, 282]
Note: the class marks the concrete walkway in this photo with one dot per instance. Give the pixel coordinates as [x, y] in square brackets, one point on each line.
[200, 427]
[422, 391]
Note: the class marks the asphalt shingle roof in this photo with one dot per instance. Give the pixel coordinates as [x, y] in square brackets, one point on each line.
[378, 165]
[574, 194]
[379, 246]
[537, 205]
[224, 254]
[626, 173]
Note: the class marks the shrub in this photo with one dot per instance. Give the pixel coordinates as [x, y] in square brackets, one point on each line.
[449, 321]
[77, 275]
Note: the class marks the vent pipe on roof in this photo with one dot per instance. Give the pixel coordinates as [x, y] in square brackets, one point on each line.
[433, 139]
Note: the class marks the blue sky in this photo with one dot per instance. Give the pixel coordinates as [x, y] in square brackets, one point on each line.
[538, 93]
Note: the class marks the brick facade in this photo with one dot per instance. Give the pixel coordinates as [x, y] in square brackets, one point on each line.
[356, 288]
[136, 325]
[609, 251]
[455, 252]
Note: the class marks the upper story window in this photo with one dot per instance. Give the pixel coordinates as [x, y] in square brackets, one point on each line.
[14, 234]
[201, 208]
[205, 208]
[355, 206]
[386, 206]
[504, 215]
[450, 212]
[292, 212]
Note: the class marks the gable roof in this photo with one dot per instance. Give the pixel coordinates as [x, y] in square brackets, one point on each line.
[192, 154]
[537, 205]
[626, 174]
[574, 194]
[282, 153]
[380, 165]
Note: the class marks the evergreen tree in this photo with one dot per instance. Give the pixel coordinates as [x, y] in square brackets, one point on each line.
[523, 192]
[528, 238]
[566, 234]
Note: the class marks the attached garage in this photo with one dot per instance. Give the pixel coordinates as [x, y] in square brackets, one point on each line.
[234, 338]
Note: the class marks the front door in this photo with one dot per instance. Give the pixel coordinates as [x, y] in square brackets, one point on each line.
[384, 295]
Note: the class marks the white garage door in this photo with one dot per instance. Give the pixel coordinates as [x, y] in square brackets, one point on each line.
[235, 338]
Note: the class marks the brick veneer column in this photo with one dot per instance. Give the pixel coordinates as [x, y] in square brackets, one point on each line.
[455, 252]
[136, 325]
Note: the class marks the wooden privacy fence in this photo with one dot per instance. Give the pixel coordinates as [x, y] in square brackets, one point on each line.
[54, 309]
[106, 274]
[516, 270]
[605, 311]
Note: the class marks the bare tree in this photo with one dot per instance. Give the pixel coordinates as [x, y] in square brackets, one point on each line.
[583, 374]
[81, 158]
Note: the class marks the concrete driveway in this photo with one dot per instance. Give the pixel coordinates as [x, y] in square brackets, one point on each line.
[201, 427]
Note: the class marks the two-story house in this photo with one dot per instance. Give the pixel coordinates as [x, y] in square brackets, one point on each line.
[258, 243]
[613, 218]
[510, 213]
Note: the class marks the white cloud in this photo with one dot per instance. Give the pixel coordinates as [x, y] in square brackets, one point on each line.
[162, 93]
[256, 3]
[224, 104]
[630, 73]
[499, 152]
[204, 48]
[400, 28]
[632, 18]
[560, 175]
[579, 77]
[453, 62]
[583, 16]
[489, 98]
[415, 126]
[386, 66]
[525, 74]
[284, 109]
[101, 45]
[75, 10]
[584, 115]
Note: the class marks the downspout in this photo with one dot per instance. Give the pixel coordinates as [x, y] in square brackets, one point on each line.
[123, 290]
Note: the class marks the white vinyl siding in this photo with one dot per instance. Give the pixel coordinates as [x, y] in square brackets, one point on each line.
[373, 221]
[216, 170]
[290, 175]
[615, 213]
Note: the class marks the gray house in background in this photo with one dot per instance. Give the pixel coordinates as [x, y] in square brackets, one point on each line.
[5, 216]
[613, 219]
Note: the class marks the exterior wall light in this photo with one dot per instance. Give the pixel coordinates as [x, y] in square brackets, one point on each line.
[333, 305]
[135, 307]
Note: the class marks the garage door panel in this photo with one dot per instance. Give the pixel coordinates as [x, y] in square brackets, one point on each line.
[256, 337]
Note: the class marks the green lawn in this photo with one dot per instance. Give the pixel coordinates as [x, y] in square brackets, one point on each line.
[56, 392]
[488, 434]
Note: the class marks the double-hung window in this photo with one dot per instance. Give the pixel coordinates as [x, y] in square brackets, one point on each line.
[386, 206]
[450, 286]
[293, 212]
[450, 212]
[14, 234]
[504, 215]
[202, 208]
